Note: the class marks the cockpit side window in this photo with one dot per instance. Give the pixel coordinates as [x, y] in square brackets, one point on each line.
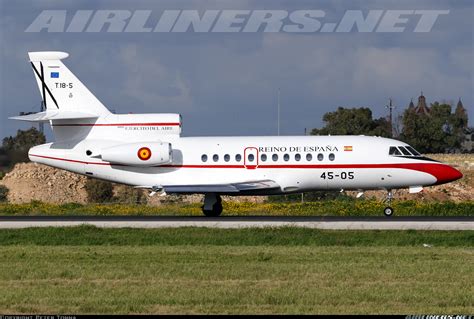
[411, 149]
[394, 151]
[404, 151]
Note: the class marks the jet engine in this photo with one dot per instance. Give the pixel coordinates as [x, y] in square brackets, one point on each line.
[139, 154]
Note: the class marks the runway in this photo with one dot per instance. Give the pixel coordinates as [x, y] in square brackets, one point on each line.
[316, 222]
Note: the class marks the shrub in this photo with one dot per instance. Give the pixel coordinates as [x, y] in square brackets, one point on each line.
[309, 197]
[99, 191]
[322, 208]
[3, 193]
[172, 199]
[129, 195]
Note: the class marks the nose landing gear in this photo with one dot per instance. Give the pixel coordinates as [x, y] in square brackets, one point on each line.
[388, 211]
[212, 205]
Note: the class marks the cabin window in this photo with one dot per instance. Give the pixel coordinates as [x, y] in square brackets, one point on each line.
[414, 152]
[226, 157]
[251, 157]
[286, 157]
[238, 158]
[297, 157]
[204, 158]
[404, 151]
[394, 151]
[263, 157]
[320, 157]
[275, 157]
[332, 157]
[215, 157]
[309, 157]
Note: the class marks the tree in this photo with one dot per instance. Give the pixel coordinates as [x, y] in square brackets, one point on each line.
[436, 132]
[16, 147]
[355, 121]
[460, 123]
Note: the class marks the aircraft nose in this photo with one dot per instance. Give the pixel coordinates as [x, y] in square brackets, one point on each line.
[445, 174]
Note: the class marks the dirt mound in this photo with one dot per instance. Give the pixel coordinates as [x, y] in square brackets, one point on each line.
[32, 181]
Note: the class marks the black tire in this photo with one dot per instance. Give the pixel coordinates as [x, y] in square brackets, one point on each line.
[215, 212]
[388, 211]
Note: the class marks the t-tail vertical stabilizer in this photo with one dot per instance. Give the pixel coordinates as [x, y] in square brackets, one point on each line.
[64, 96]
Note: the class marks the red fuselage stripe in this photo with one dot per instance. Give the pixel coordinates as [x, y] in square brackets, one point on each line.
[414, 166]
[119, 124]
[69, 160]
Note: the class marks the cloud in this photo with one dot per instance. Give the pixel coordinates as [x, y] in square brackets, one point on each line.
[226, 84]
[150, 82]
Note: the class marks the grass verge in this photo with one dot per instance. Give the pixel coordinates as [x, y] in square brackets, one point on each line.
[196, 270]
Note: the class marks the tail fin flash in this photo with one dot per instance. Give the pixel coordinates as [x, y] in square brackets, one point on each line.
[60, 89]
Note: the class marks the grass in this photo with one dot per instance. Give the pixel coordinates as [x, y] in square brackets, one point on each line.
[194, 270]
[322, 208]
[195, 236]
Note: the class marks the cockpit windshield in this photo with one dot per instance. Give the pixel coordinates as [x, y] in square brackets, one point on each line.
[394, 151]
[403, 151]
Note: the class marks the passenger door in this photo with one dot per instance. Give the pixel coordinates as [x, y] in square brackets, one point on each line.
[251, 157]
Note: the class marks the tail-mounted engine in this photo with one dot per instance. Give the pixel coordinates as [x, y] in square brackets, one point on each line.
[139, 154]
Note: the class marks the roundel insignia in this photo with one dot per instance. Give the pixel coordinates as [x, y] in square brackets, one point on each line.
[144, 153]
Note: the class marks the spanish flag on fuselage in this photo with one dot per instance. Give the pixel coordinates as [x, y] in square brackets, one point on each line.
[347, 148]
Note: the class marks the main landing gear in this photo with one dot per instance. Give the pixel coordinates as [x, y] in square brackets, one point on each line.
[388, 211]
[212, 205]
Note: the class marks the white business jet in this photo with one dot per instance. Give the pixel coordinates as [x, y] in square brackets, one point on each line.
[147, 151]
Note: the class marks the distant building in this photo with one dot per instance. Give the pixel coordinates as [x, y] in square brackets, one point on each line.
[422, 107]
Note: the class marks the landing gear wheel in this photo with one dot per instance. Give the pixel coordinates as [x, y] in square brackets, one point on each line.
[216, 209]
[388, 211]
[215, 212]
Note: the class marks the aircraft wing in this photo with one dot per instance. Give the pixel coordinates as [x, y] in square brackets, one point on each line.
[232, 189]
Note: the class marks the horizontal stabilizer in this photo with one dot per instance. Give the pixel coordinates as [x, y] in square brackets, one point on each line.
[54, 115]
[233, 188]
[47, 55]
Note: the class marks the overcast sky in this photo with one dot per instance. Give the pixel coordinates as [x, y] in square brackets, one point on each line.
[226, 83]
